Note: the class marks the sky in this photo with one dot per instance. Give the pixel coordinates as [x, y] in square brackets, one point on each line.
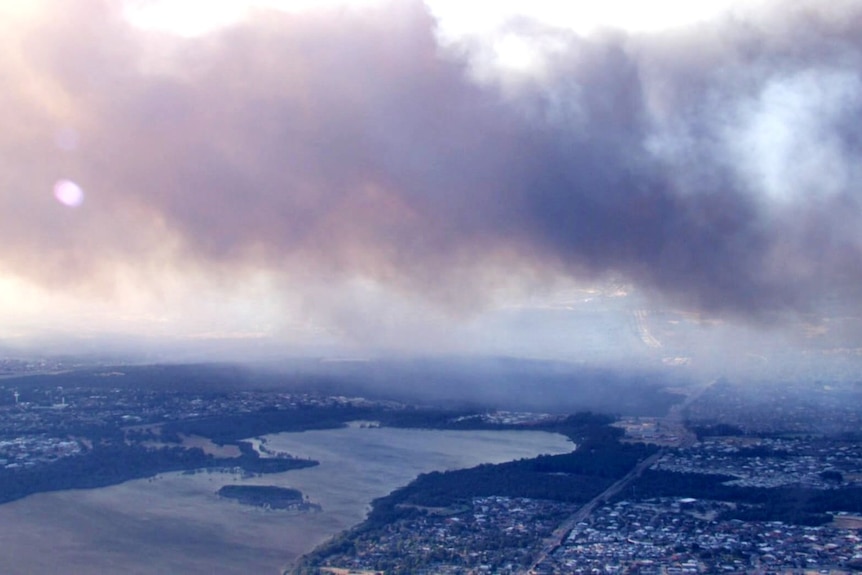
[605, 181]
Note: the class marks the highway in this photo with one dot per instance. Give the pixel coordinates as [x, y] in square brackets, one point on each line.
[560, 534]
[674, 418]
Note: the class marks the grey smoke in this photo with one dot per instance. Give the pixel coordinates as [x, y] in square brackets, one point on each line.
[714, 167]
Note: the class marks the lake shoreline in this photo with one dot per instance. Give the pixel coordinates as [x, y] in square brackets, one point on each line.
[177, 523]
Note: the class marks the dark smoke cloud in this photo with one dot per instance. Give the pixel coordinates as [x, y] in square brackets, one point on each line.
[715, 167]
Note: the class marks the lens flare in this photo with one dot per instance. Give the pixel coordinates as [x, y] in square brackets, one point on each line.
[68, 193]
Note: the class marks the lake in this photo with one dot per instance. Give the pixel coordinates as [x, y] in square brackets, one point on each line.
[175, 522]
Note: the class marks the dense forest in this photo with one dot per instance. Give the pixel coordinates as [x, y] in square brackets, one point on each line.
[794, 505]
[573, 477]
[268, 496]
[230, 429]
[115, 463]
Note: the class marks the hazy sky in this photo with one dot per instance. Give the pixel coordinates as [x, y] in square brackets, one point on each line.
[449, 176]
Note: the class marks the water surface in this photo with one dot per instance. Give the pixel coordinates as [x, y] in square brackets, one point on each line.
[175, 523]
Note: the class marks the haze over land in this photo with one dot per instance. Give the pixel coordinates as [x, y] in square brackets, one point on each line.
[395, 177]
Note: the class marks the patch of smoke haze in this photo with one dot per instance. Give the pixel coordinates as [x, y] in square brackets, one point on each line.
[715, 167]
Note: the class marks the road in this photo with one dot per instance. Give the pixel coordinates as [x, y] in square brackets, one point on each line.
[559, 535]
[674, 418]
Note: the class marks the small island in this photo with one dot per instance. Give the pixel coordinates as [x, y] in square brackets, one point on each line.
[268, 497]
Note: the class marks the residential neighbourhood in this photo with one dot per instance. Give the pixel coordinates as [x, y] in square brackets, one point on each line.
[624, 530]
[682, 536]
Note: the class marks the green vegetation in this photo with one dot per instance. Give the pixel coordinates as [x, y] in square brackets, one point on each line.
[230, 429]
[794, 505]
[227, 429]
[717, 430]
[115, 463]
[106, 465]
[268, 496]
[575, 477]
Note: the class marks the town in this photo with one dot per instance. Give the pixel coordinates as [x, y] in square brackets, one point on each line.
[633, 531]
[717, 490]
[631, 534]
